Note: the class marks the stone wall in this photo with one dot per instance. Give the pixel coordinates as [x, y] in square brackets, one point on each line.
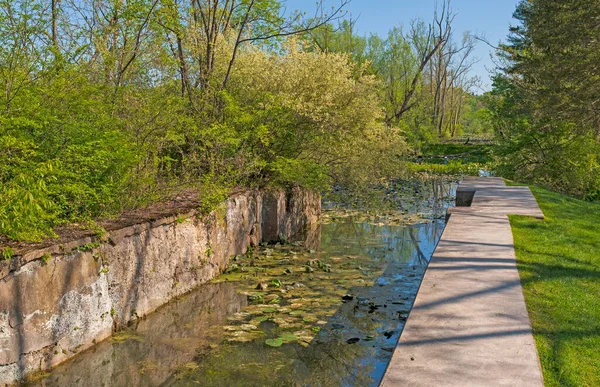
[57, 301]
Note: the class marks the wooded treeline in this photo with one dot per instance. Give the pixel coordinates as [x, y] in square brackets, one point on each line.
[108, 105]
[426, 87]
[546, 98]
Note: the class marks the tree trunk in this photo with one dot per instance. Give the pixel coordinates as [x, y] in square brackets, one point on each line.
[55, 24]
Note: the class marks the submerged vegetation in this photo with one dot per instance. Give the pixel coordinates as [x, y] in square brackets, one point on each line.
[287, 287]
[283, 315]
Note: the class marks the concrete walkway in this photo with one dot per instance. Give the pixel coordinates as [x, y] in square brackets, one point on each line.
[469, 325]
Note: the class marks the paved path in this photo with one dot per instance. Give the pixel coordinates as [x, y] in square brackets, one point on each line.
[469, 325]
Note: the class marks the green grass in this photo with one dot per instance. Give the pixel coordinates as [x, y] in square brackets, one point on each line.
[559, 263]
[471, 159]
[479, 153]
[454, 167]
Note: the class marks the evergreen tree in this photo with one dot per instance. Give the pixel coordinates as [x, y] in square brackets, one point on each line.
[546, 98]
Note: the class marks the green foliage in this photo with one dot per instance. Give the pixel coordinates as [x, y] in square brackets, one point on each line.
[543, 102]
[277, 342]
[305, 173]
[212, 194]
[343, 40]
[26, 210]
[467, 152]
[156, 100]
[7, 253]
[62, 159]
[89, 246]
[46, 258]
[424, 86]
[477, 120]
[453, 159]
[308, 119]
[452, 168]
[559, 260]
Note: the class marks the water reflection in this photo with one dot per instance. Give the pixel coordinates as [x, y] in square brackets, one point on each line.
[148, 353]
[412, 244]
[356, 345]
[184, 342]
[424, 196]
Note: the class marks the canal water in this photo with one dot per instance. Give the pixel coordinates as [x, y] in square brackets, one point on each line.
[326, 314]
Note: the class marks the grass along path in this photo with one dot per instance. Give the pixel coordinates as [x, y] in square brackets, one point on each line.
[452, 159]
[559, 264]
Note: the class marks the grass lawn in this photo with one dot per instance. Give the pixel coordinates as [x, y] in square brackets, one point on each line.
[559, 263]
[461, 159]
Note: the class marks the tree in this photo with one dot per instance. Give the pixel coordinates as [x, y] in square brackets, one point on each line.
[200, 30]
[426, 41]
[449, 79]
[546, 96]
[110, 105]
[343, 39]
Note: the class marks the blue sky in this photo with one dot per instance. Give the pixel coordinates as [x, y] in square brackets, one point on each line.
[489, 18]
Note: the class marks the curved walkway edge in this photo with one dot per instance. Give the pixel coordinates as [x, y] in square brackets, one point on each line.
[469, 325]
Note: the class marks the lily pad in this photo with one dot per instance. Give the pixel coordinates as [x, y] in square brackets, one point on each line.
[276, 283]
[288, 337]
[274, 342]
[268, 299]
[255, 298]
[244, 336]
